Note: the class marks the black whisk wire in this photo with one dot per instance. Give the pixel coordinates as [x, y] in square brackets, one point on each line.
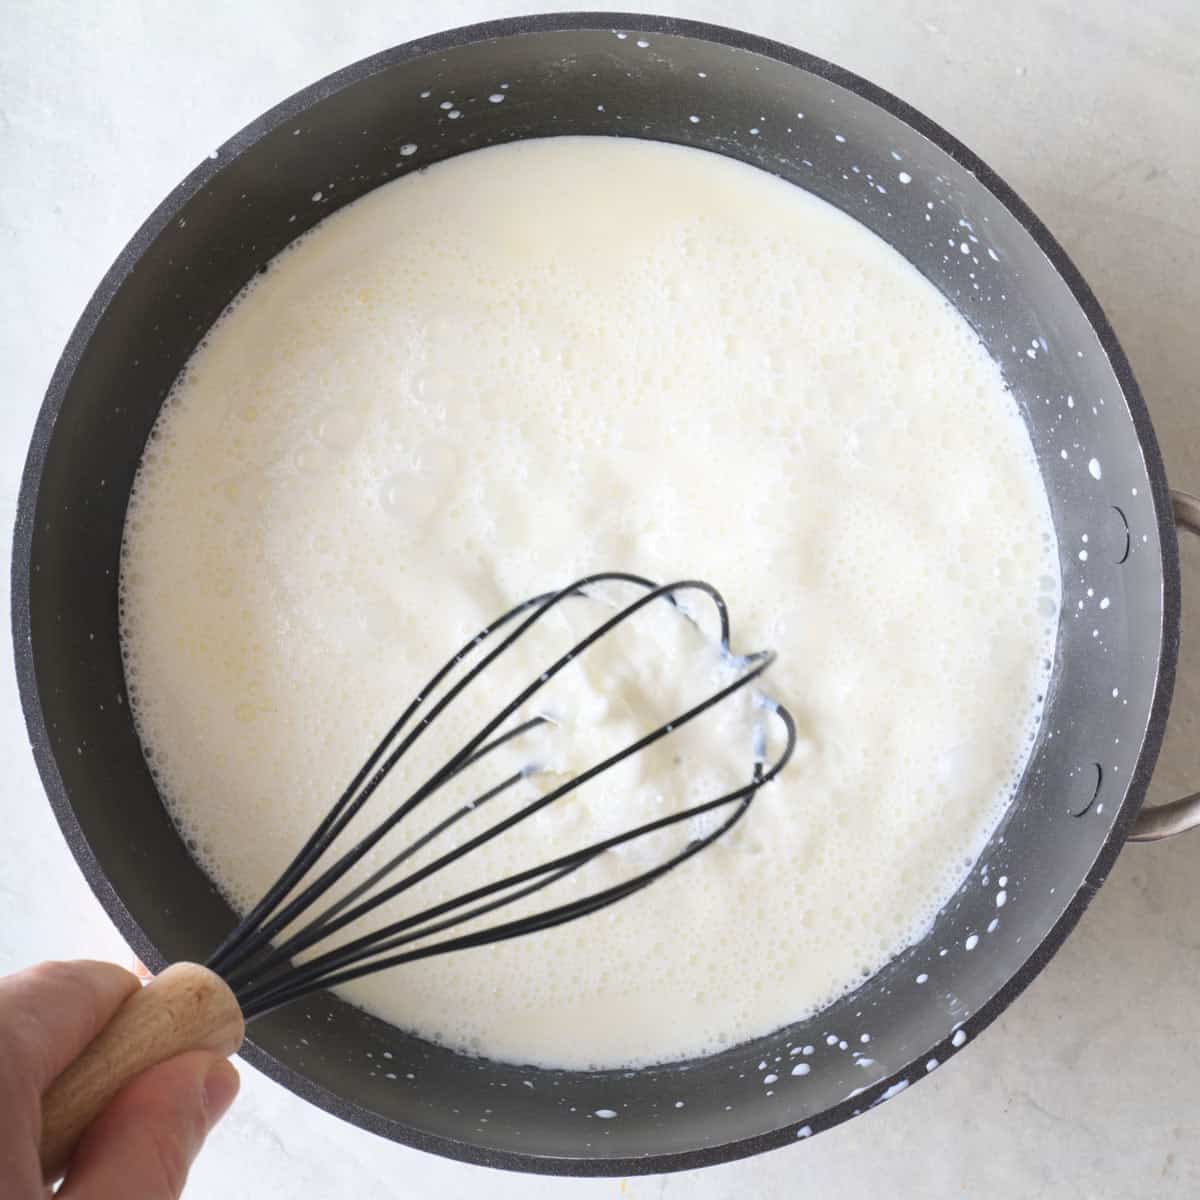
[322, 927]
[258, 928]
[332, 823]
[265, 975]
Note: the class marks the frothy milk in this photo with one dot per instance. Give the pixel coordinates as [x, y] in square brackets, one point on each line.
[561, 356]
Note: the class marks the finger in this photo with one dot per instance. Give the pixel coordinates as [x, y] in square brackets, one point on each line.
[144, 1142]
[53, 1010]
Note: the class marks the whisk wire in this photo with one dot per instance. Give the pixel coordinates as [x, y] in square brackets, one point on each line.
[259, 926]
[266, 925]
[329, 827]
[309, 936]
[319, 974]
[265, 976]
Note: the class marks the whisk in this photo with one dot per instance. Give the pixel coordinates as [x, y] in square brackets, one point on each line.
[258, 968]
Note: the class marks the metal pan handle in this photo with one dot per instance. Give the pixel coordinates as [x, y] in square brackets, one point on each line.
[1166, 820]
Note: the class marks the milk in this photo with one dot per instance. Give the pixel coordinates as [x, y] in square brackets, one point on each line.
[555, 357]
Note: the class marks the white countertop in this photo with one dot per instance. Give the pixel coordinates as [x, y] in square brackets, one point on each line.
[1088, 1085]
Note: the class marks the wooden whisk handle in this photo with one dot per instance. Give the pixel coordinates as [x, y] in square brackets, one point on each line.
[187, 1007]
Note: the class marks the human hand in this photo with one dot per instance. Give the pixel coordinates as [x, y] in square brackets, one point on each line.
[142, 1144]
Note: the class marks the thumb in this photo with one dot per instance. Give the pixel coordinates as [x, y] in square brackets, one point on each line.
[143, 1143]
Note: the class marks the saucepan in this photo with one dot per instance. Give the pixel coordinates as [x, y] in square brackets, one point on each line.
[849, 143]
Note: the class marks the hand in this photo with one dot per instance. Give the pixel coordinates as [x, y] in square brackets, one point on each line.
[143, 1143]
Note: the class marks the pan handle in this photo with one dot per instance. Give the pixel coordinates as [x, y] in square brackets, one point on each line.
[1166, 820]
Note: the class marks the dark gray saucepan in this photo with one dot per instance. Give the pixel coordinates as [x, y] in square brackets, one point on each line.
[855, 146]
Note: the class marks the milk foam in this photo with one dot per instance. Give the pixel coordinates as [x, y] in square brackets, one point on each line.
[544, 359]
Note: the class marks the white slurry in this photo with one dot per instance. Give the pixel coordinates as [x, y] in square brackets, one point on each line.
[569, 355]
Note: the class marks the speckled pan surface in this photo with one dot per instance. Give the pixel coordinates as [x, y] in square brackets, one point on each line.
[854, 146]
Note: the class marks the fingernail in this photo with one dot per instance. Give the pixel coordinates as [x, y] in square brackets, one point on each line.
[220, 1087]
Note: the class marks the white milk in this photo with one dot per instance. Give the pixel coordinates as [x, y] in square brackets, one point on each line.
[562, 356]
